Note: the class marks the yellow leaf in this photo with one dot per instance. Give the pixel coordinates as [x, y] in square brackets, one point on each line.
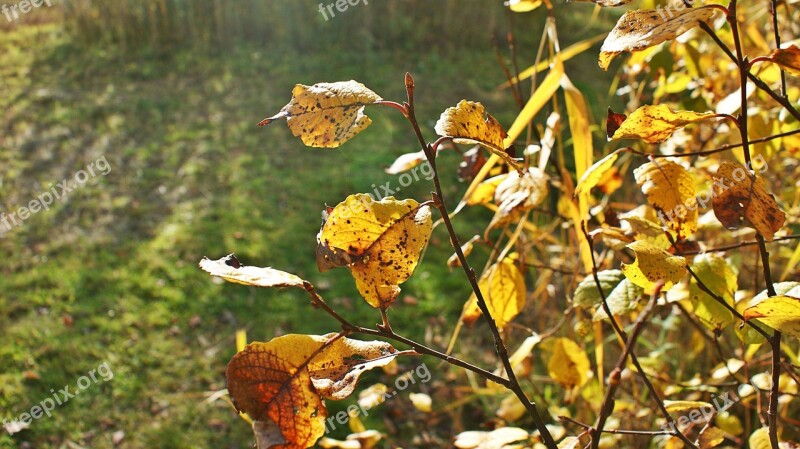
[710, 437]
[524, 5]
[231, 270]
[716, 274]
[503, 289]
[406, 162]
[641, 29]
[484, 192]
[544, 92]
[373, 396]
[241, 340]
[655, 124]
[568, 365]
[778, 312]
[652, 266]
[273, 383]
[379, 241]
[469, 123]
[670, 190]
[421, 402]
[593, 175]
[742, 202]
[511, 409]
[327, 115]
[760, 439]
[788, 58]
[684, 406]
[495, 439]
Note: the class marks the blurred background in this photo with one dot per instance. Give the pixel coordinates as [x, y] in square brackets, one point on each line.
[168, 93]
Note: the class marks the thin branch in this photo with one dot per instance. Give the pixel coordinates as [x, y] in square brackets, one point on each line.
[720, 149]
[500, 347]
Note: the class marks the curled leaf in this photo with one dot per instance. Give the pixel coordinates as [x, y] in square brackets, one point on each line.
[655, 124]
[787, 58]
[276, 383]
[231, 270]
[641, 29]
[739, 200]
[468, 122]
[327, 115]
[520, 193]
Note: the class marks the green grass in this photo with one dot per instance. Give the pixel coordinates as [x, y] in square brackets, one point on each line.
[110, 273]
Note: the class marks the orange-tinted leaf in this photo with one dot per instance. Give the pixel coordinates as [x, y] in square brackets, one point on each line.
[641, 29]
[788, 58]
[327, 115]
[743, 202]
[279, 383]
[670, 190]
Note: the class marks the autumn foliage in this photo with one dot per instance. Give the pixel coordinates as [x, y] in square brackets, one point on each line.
[709, 136]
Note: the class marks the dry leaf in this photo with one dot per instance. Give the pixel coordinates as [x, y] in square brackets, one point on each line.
[469, 123]
[382, 239]
[641, 29]
[231, 270]
[788, 58]
[274, 383]
[655, 124]
[327, 115]
[406, 162]
[738, 201]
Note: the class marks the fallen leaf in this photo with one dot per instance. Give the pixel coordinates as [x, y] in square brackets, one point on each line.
[655, 124]
[327, 115]
[641, 29]
[743, 202]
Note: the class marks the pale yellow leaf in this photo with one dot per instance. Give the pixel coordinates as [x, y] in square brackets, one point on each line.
[495, 439]
[640, 29]
[406, 162]
[593, 175]
[523, 5]
[327, 115]
[421, 402]
[231, 270]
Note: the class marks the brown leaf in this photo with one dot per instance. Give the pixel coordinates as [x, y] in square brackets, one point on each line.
[742, 202]
[613, 122]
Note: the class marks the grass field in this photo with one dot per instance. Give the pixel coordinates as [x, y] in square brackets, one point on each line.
[108, 275]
